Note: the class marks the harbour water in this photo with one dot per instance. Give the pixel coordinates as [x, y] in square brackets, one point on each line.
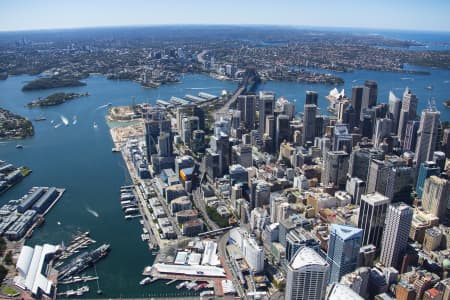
[78, 157]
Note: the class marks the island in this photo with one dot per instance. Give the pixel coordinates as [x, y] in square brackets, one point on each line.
[56, 99]
[447, 103]
[52, 82]
[14, 126]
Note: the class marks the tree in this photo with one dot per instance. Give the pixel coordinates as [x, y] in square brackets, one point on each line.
[8, 258]
[3, 272]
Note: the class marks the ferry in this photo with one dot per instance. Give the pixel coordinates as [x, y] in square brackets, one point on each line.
[19, 146]
[147, 271]
[145, 281]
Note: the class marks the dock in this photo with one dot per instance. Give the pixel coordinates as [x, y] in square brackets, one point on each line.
[170, 282]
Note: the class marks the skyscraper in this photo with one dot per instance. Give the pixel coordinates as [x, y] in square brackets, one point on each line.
[410, 140]
[399, 184]
[395, 106]
[435, 197]
[369, 96]
[247, 106]
[382, 130]
[426, 170]
[266, 107]
[309, 123]
[311, 97]
[396, 232]
[357, 95]
[282, 129]
[427, 136]
[343, 250]
[360, 161]
[335, 168]
[408, 112]
[307, 276]
[372, 214]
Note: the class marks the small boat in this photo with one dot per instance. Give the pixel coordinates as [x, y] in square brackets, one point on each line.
[41, 118]
[19, 146]
[95, 125]
[51, 122]
[430, 87]
[145, 281]
[147, 271]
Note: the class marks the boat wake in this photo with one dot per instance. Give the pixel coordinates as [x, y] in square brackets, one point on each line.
[92, 212]
[64, 120]
[205, 88]
[102, 106]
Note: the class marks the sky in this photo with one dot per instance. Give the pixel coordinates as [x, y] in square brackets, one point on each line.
[379, 14]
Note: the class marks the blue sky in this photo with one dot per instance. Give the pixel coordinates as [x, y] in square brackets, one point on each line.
[382, 14]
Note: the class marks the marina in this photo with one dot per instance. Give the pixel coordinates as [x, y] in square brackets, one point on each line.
[83, 261]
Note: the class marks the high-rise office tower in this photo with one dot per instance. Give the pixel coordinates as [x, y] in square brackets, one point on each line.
[335, 169]
[407, 113]
[399, 184]
[343, 250]
[360, 161]
[395, 105]
[342, 139]
[309, 123]
[382, 130]
[369, 96]
[435, 197]
[266, 108]
[377, 176]
[165, 148]
[282, 129]
[396, 232]
[247, 106]
[446, 142]
[311, 97]
[426, 169]
[298, 238]
[338, 291]
[371, 217]
[427, 135]
[357, 96]
[410, 140]
[439, 159]
[307, 276]
[355, 187]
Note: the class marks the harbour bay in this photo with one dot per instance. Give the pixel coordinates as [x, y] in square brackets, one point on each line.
[78, 158]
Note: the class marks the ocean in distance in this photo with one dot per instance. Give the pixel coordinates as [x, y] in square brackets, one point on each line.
[79, 158]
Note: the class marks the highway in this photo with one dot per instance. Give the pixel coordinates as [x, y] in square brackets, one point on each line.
[226, 107]
[222, 250]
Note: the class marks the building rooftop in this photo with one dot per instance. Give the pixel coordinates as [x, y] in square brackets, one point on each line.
[346, 232]
[199, 270]
[340, 292]
[306, 257]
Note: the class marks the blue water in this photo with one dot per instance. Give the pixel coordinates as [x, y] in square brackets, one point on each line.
[79, 158]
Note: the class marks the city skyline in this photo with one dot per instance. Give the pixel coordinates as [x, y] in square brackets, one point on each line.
[49, 14]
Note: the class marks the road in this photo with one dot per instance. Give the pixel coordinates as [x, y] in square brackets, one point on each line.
[226, 107]
[201, 206]
[222, 250]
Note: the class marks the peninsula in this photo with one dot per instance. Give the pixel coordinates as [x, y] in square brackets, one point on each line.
[14, 126]
[56, 99]
[45, 83]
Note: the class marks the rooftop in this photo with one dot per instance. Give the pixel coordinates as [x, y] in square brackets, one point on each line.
[307, 257]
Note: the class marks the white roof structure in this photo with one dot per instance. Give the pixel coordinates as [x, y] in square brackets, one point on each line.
[30, 264]
[307, 257]
[228, 287]
[181, 257]
[209, 255]
[194, 259]
[339, 291]
[208, 271]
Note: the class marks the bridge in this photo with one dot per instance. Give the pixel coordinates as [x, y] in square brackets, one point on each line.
[249, 83]
[215, 232]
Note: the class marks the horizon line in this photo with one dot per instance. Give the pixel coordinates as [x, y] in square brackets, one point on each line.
[293, 26]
